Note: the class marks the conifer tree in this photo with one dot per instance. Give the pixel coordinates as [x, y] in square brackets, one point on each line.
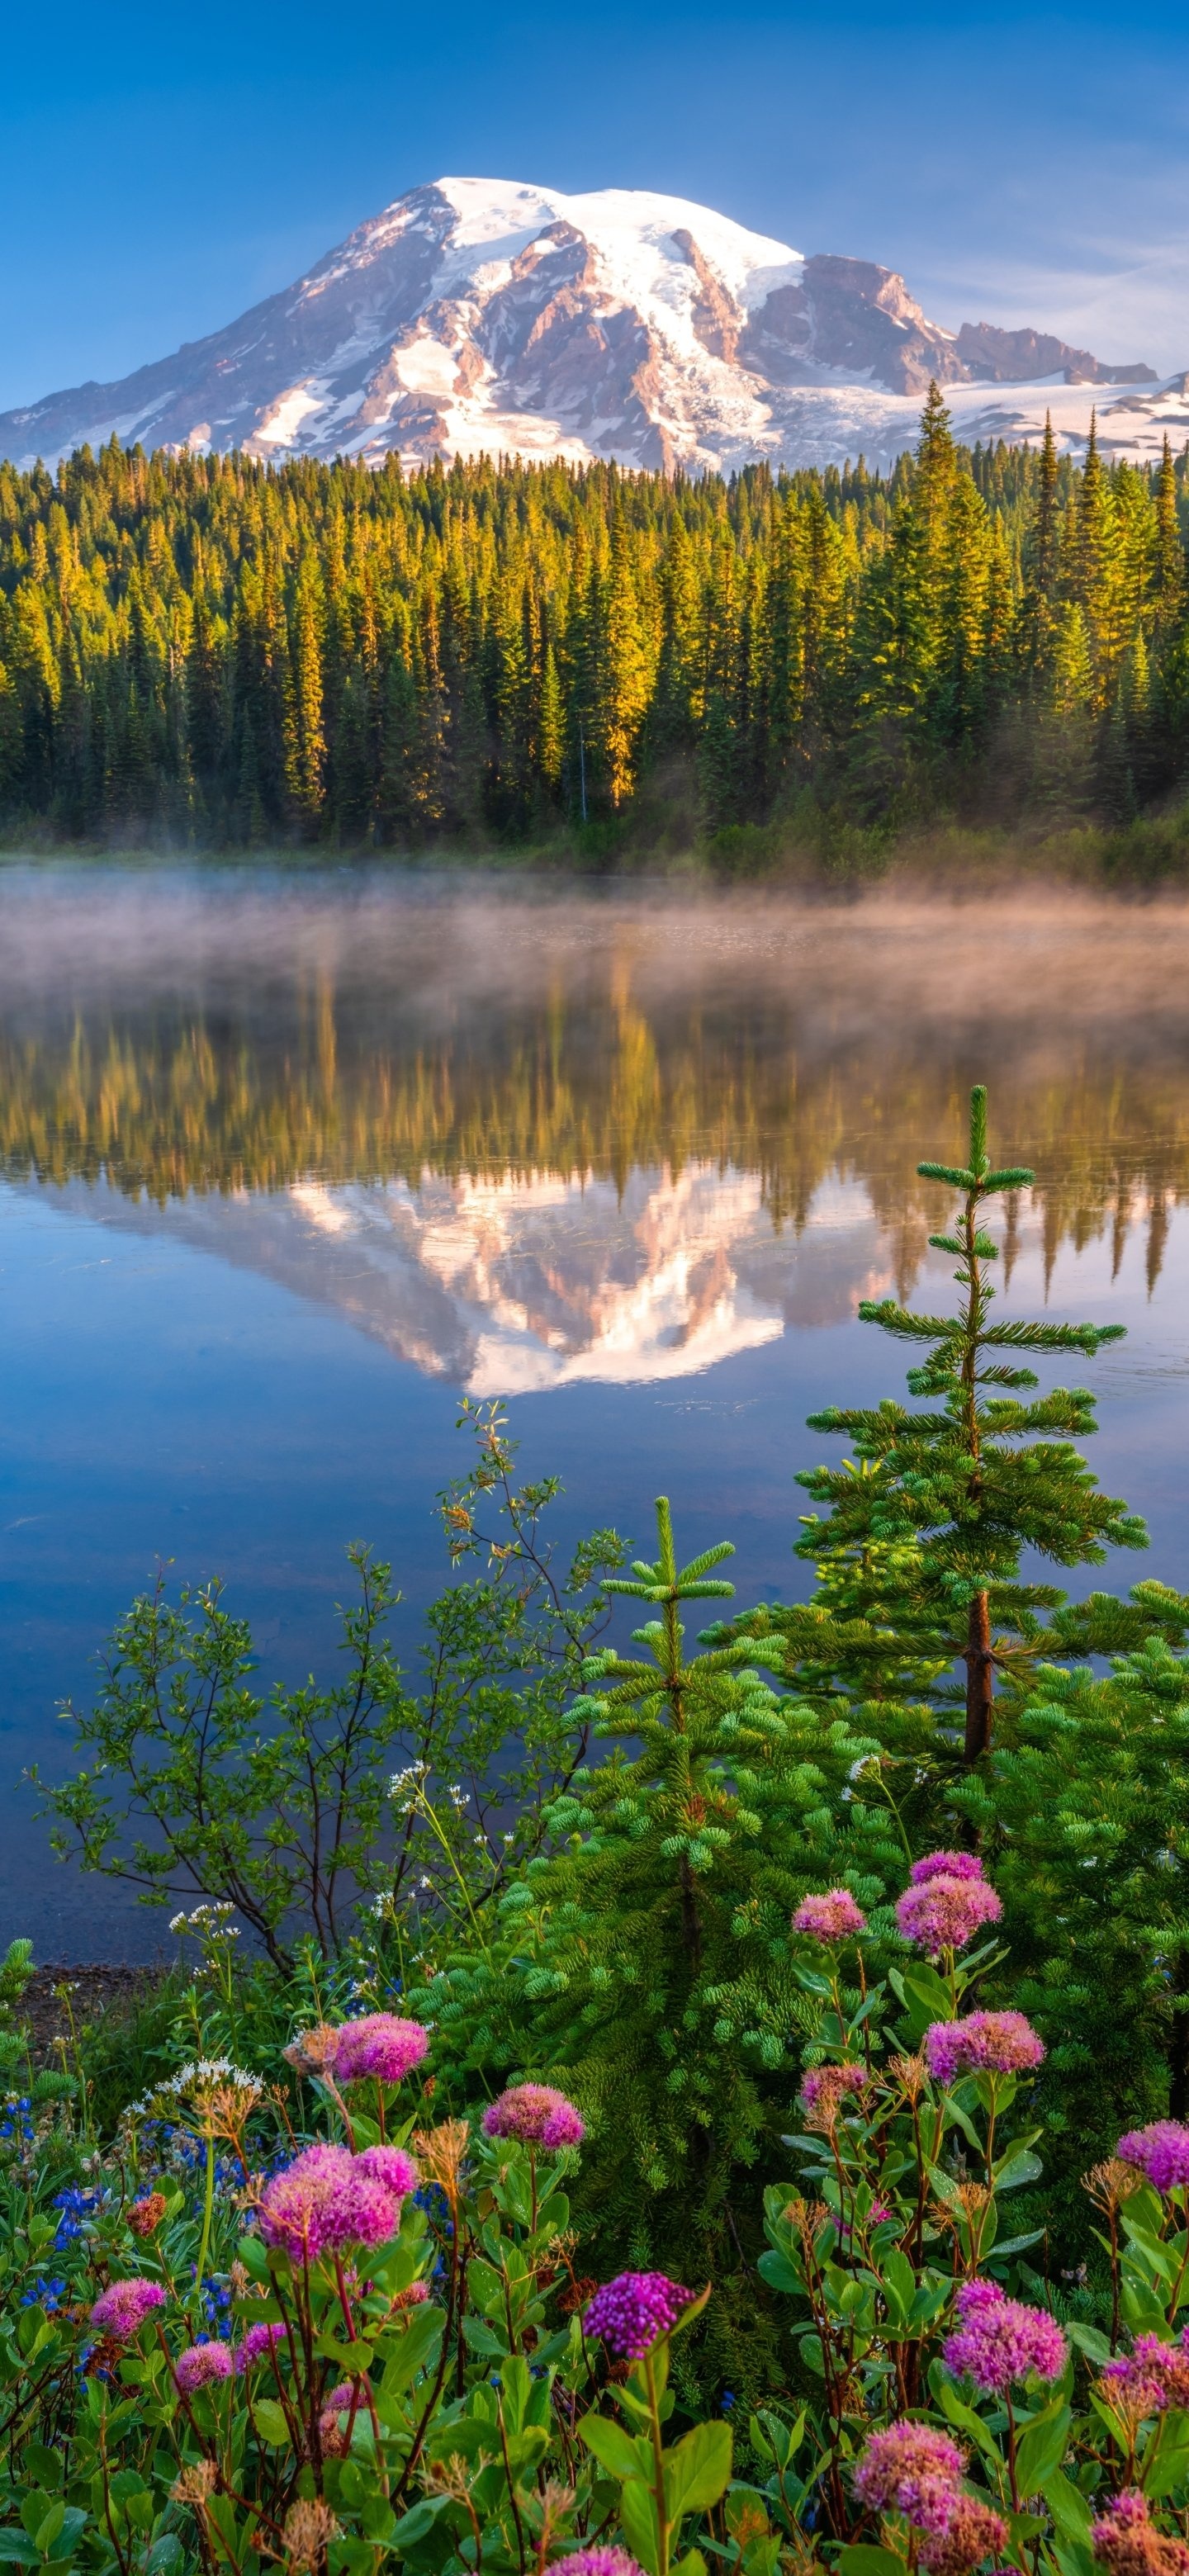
[1041, 557]
[925, 1534]
[647, 1964]
[223, 645]
[1169, 581]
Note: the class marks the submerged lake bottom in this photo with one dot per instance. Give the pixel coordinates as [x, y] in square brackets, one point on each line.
[289, 1162]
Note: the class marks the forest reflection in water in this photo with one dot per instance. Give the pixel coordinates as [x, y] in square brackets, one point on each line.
[529, 1137]
[290, 1158]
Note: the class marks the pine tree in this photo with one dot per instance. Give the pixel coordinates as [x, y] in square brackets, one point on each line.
[217, 646]
[647, 1965]
[1169, 582]
[625, 676]
[924, 1541]
[1042, 557]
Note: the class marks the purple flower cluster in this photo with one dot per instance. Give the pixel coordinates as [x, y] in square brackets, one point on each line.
[257, 2343]
[982, 2043]
[537, 2114]
[973, 2532]
[1150, 2378]
[999, 2341]
[201, 2364]
[1161, 2151]
[634, 2310]
[947, 1902]
[914, 2469]
[602, 2560]
[328, 2199]
[945, 1864]
[1125, 2540]
[824, 2088]
[380, 2044]
[833, 1916]
[122, 2310]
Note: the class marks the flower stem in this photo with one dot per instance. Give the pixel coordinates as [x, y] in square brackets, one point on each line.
[207, 2214]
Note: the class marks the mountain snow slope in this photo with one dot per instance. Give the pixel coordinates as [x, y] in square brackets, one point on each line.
[485, 315]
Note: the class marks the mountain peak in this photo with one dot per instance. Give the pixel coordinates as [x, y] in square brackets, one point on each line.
[492, 314]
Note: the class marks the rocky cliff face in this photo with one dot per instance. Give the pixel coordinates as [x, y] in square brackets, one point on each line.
[486, 315]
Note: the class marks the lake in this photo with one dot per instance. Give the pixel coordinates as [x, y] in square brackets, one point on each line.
[290, 1159]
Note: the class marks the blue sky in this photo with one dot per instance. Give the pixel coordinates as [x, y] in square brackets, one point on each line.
[161, 169]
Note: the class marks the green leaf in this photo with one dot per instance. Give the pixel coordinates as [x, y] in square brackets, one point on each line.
[899, 2281]
[1019, 2169]
[417, 2523]
[698, 2469]
[270, 2418]
[483, 2339]
[1165, 2464]
[625, 2454]
[637, 2514]
[47, 2530]
[1090, 2340]
[1068, 2506]
[778, 2272]
[962, 2416]
[1042, 2448]
[485, 2287]
[411, 2348]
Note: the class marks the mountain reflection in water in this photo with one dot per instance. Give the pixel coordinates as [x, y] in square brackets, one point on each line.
[290, 1157]
[530, 1140]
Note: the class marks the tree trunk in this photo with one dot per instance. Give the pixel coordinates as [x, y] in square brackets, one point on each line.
[980, 1678]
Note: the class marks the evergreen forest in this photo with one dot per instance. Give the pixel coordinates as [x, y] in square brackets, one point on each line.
[204, 651]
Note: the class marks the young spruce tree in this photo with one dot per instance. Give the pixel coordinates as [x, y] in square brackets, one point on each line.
[646, 1964]
[919, 1557]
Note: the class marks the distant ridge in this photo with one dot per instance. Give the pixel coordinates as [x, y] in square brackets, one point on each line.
[493, 315]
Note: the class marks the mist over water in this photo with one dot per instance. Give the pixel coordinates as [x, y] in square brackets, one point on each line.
[289, 1160]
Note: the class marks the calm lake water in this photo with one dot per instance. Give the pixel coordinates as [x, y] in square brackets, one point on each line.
[288, 1161]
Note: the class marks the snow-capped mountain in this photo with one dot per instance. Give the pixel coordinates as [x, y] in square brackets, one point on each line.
[486, 315]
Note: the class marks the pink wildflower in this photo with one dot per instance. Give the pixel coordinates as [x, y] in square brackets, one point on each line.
[381, 2044]
[913, 2468]
[121, 2310]
[973, 2532]
[536, 2113]
[824, 2089]
[1125, 2539]
[201, 2364]
[982, 2043]
[945, 1864]
[361, 2211]
[257, 2343]
[1150, 2378]
[634, 2310]
[601, 2560]
[327, 2199]
[879, 2210]
[295, 2210]
[1161, 2151]
[334, 2435]
[945, 1913]
[832, 1917]
[999, 2341]
[392, 2167]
